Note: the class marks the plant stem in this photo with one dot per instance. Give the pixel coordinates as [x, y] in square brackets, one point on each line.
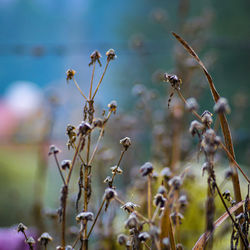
[99, 211]
[149, 197]
[118, 164]
[79, 89]
[59, 169]
[99, 83]
[91, 83]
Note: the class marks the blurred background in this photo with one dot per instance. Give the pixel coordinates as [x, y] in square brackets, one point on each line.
[41, 39]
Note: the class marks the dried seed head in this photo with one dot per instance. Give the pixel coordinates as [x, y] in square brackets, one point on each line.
[98, 122]
[30, 241]
[126, 142]
[70, 132]
[192, 104]
[166, 173]
[129, 207]
[21, 227]
[53, 150]
[108, 180]
[112, 106]
[85, 216]
[143, 237]
[173, 80]
[176, 182]
[45, 238]
[222, 106]
[195, 127]
[70, 74]
[146, 169]
[109, 194]
[132, 221]
[65, 164]
[227, 195]
[162, 190]
[206, 118]
[122, 239]
[176, 217]
[210, 141]
[110, 54]
[84, 128]
[116, 169]
[183, 201]
[159, 200]
[95, 56]
[166, 243]
[179, 246]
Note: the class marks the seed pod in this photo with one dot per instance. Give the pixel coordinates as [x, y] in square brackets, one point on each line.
[126, 142]
[173, 80]
[109, 194]
[110, 54]
[85, 216]
[162, 190]
[65, 164]
[183, 201]
[116, 169]
[192, 104]
[146, 169]
[176, 182]
[159, 200]
[112, 106]
[45, 238]
[84, 128]
[222, 106]
[206, 118]
[227, 195]
[166, 173]
[21, 227]
[70, 74]
[30, 241]
[53, 150]
[143, 237]
[129, 206]
[195, 128]
[95, 56]
[176, 217]
[132, 221]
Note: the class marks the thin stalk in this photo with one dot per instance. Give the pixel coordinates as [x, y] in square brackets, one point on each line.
[59, 169]
[231, 217]
[99, 83]
[26, 238]
[79, 89]
[155, 214]
[118, 164]
[99, 138]
[64, 216]
[99, 211]
[149, 197]
[91, 83]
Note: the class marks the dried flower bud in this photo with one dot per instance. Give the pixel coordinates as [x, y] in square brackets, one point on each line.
[176, 217]
[98, 122]
[176, 182]
[45, 238]
[222, 106]
[183, 201]
[206, 118]
[210, 141]
[227, 195]
[143, 237]
[159, 200]
[30, 241]
[146, 169]
[110, 54]
[132, 221]
[21, 227]
[195, 127]
[126, 142]
[108, 180]
[85, 216]
[65, 164]
[53, 150]
[70, 74]
[162, 190]
[192, 104]
[112, 106]
[173, 80]
[166, 243]
[179, 246]
[84, 128]
[116, 169]
[109, 194]
[166, 173]
[122, 239]
[95, 56]
[129, 206]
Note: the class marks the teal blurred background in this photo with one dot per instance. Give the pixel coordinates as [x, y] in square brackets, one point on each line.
[40, 40]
